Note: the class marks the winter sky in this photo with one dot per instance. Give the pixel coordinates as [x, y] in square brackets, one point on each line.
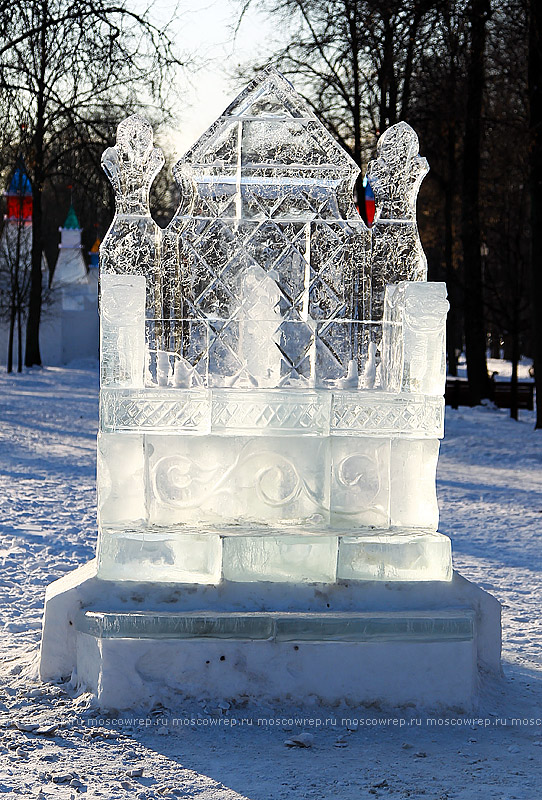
[205, 33]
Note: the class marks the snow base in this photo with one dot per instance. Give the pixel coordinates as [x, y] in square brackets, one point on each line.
[134, 644]
[127, 673]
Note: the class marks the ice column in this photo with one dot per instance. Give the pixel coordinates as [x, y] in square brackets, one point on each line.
[259, 326]
[122, 337]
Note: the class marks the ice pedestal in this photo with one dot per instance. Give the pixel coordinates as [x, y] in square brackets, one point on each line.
[271, 404]
[304, 673]
[355, 642]
[269, 485]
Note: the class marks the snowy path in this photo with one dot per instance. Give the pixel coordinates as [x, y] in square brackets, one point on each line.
[490, 491]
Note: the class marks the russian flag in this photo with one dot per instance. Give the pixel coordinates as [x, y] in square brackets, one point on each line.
[369, 202]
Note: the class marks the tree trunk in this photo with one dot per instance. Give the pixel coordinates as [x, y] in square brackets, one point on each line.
[475, 334]
[409, 64]
[19, 341]
[451, 281]
[32, 353]
[508, 349]
[384, 82]
[405, 99]
[9, 367]
[514, 379]
[535, 122]
[495, 346]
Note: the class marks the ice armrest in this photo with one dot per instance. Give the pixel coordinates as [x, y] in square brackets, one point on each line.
[414, 338]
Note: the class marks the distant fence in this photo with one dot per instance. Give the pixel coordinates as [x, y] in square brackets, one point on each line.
[458, 394]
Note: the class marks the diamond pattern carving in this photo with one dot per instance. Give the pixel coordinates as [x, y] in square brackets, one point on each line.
[389, 415]
[319, 413]
[122, 410]
[273, 192]
[283, 415]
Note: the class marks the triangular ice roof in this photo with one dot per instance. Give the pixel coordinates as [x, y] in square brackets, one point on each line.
[271, 99]
[269, 94]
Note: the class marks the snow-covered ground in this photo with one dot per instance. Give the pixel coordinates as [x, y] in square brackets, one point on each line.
[54, 744]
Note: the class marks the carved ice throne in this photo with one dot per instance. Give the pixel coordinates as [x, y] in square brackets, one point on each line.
[272, 377]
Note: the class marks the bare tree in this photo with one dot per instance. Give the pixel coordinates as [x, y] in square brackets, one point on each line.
[475, 334]
[504, 195]
[437, 111]
[15, 269]
[62, 62]
[535, 124]
[353, 61]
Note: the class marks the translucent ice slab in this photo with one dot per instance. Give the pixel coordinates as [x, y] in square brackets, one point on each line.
[121, 479]
[394, 626]
[360, 481]
[414, 329]
[413, 496]
[406, 555]
[206, 480]
[309, 480]
[159, 555]
[143, 625]
[259, 412]
[122, 329]
[268, 554]
[296, 559]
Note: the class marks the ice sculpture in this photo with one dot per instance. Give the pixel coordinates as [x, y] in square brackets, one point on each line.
[272, 370]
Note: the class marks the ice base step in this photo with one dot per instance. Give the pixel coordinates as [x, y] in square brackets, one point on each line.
[133, 644]
[131, 659]
[411, 626]
[293, 556]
